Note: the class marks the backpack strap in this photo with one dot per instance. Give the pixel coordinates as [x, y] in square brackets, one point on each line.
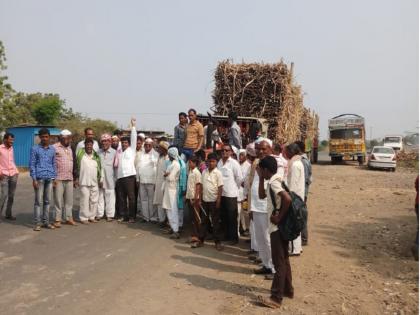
[273, 199]
[283, 184]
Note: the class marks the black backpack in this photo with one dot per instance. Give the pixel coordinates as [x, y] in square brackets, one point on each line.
[294, 220]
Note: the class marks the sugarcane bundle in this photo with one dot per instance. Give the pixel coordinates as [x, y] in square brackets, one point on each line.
[264, 91]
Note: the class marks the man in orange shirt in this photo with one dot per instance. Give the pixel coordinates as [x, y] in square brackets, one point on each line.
[194, 136]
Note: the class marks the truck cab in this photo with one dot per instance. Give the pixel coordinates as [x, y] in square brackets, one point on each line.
[394, 142]
[347, 138]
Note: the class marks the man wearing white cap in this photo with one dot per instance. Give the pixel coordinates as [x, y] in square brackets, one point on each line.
[146, 176]
[258, 211]
[106, 202]
[139, 151]
[63, 184]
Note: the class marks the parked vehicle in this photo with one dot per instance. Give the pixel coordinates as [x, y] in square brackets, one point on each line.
[347, 138]
[383, 157]
[395, 142]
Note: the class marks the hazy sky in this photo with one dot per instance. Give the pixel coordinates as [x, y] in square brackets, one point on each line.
[109, 59]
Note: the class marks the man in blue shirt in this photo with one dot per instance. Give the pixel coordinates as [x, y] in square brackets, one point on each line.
[43, 173]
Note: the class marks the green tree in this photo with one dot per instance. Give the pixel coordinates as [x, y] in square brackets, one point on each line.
[47, 109]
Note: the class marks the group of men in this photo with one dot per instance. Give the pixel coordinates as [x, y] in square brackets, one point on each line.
[239, 192]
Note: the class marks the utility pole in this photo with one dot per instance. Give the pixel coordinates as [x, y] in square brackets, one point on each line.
[370, 133]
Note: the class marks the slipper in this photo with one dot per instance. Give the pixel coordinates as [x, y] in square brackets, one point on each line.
[268, 302]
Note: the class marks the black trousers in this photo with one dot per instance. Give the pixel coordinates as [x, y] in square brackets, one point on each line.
[282, 282]
[126, 187]
[213, 214]
[304, 234]
[229, 218]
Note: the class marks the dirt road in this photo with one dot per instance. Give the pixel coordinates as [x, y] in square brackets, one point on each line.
[358, 260]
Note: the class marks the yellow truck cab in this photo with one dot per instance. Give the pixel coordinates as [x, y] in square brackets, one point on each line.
[347, 138]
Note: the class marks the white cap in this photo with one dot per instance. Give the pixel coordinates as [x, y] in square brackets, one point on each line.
[142, 135]
[65, 133]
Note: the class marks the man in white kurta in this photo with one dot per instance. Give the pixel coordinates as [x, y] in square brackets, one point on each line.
[161, 166]
[106, 204]
[296, 183]
[245, 168]
[89, 179]
[146, 176]
[170, 194]
[258, 207]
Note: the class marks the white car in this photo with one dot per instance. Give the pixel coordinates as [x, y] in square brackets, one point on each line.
[395, 142]
[383, 157]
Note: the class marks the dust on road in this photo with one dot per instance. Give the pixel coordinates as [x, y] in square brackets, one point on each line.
[358, 261]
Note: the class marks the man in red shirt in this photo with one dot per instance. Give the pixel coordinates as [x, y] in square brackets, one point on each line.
[8, 175]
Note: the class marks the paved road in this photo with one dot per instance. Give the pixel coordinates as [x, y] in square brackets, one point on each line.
[106, 268]
[361, 229]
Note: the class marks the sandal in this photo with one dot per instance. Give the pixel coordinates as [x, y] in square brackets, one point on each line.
[268, 302]
[37, 228]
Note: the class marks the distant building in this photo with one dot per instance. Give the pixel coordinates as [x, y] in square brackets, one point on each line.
[25, 138]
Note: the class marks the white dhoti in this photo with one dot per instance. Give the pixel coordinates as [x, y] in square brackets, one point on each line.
[254, 245]
[106, 203]
[89, 196]
[262, 238]
[170, 204]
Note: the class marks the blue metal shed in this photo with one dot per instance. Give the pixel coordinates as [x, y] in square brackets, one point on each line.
[25, 138]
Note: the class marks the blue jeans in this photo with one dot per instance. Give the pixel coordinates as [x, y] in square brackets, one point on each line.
[186, 154]
[7, 192]
[42, 200]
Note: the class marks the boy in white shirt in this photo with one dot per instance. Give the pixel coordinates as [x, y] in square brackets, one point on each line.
[212, 188]
[193, 200]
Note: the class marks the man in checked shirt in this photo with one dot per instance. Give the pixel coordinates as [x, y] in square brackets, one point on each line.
[63, 184]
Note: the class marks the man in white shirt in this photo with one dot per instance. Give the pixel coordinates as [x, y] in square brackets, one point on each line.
[245, 168]
[296, 183]
[232, 181]
[89, 135]
[126, 176]
[146, 177]
[258, 208]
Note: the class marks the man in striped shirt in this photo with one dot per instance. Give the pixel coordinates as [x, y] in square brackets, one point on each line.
[63, 184]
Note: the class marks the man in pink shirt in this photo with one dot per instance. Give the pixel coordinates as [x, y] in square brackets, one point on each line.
[8, 175]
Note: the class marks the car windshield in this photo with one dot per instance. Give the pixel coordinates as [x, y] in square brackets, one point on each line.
[383, 150]
[353, 133]
[393, 139]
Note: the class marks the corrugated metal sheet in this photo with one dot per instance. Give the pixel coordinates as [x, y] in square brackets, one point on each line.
[24, 140]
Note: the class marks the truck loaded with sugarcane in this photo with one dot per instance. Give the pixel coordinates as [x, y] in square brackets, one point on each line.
[267, 101]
